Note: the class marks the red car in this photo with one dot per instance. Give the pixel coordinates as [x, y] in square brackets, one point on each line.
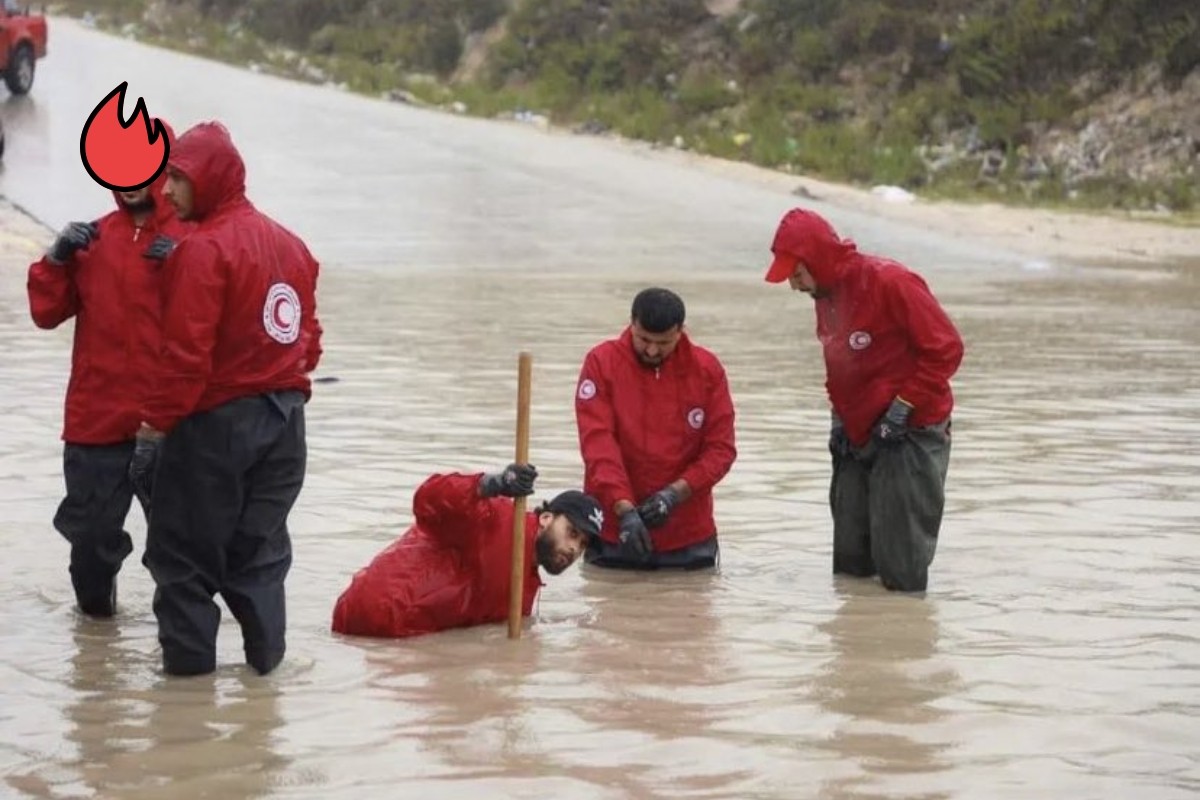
[22, 42]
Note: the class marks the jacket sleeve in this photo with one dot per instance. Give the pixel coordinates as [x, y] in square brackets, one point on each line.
[719, 449]
[932, 336]
[312, 327]
[449, 508]
[596, 420]
[53, 298]
[195, 301]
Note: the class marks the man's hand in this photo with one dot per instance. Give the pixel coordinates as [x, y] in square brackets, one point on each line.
[160, 248]
[144, 463]
[75, 236]
[892, 427]
[515, 481]
[635, 539]
[655, 509]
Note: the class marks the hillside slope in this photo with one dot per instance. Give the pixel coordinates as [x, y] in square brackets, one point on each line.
[1091, 103]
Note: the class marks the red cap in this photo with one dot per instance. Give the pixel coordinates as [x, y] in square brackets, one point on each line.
[782, 268]
[805, 237]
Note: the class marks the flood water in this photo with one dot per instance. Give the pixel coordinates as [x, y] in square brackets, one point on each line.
[1056, 654]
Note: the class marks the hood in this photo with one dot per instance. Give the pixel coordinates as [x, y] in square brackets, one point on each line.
[804, 235]
[162, 208]
[205, 154]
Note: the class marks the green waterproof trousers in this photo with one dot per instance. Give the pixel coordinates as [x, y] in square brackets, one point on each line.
[887, 503]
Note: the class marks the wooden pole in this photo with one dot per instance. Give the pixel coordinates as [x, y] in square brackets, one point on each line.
[516, 587]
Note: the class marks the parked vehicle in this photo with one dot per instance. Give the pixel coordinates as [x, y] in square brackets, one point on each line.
[23, 38]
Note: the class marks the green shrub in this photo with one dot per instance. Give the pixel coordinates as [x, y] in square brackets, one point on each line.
[705, 95]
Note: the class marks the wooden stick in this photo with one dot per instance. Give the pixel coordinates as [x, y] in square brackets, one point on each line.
[516, 587]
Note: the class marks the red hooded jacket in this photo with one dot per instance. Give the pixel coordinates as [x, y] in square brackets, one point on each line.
[883, 332]
[113, 292]
[450, 569]
[241, 314]
[641, 429]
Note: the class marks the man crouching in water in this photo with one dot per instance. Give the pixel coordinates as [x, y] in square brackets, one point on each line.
[451, 568]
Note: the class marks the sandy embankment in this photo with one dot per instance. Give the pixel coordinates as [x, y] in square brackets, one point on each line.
[1101, 238]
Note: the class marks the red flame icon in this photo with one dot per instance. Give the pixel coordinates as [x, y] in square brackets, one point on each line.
[118, 156]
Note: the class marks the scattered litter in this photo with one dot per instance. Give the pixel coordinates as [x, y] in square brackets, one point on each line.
[401, 96]
[591, 127]
[893, 194]
[530, 118]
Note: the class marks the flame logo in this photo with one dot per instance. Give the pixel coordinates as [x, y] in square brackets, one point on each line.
[117, 156]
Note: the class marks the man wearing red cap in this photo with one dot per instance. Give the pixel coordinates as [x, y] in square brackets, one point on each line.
[890, 351]
[105, 274]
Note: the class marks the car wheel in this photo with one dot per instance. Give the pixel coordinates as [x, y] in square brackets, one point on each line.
[19, 76]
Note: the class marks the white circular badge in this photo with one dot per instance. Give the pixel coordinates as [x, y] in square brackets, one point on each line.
[281, 313]
[587, 389]
[695, 418]
[860, 340]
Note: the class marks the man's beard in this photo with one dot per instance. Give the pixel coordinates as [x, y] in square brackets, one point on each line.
[141, 205]
[547, 556]
[646, 361]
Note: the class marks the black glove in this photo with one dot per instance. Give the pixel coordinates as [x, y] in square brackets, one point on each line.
[515, 481]
[635, 539]
[76, 236]
[892, 427]
[160, 248]
[142, 467]
[655, 509]
[839, 444]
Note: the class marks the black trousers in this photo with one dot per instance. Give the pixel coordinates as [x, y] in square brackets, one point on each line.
[92, 518]
[701, 555]
[887, 504]
[225, 483]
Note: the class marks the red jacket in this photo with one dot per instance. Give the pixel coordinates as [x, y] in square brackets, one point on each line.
[641, 429]
[113, 292]
[883, 334]
[450, 569]
[241, 312]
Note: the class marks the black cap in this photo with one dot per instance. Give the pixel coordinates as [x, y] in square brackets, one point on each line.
[582, 509]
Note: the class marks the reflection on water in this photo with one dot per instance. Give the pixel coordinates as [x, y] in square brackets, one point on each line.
[133, 737]
[883, 683]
